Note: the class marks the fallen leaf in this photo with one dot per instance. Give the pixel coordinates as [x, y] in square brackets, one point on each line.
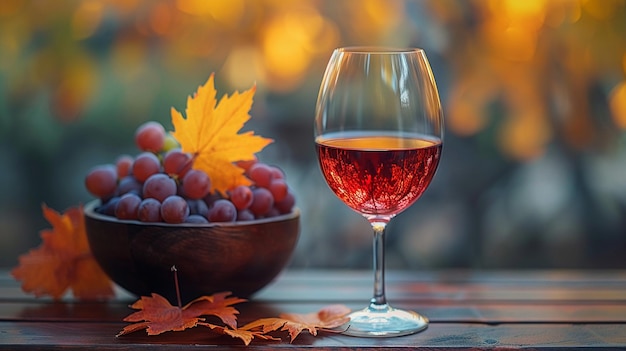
[244, 335]
[157, 315]
[327, 318]
[63, 261]
[219, 305]
[210, 133]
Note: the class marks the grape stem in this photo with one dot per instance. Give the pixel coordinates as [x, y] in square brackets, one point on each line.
[191, 160]
[188, 164]
[173, 269]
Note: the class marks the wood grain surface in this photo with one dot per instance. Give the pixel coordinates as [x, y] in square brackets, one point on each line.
[539, 310]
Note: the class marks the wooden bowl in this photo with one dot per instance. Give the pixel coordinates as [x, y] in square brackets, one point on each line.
[240, 257]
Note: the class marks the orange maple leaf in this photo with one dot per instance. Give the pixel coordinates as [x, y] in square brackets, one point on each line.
[157, 315]
[63, 261]
[211, 134]
[326, 319]
[244, 335]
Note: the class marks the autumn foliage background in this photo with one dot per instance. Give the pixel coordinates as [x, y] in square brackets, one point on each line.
[533, 172]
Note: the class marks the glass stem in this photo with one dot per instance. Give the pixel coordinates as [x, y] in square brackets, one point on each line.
[379, 301]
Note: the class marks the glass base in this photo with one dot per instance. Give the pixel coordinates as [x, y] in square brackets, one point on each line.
[385, 321]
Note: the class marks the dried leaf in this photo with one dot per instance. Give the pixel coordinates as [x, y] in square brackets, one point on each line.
[157, 315]
[218, 305]
[63, 261]
[210, 133]
[245, 335]
[327, 318]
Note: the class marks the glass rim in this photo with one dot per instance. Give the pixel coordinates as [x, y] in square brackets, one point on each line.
[367, 50]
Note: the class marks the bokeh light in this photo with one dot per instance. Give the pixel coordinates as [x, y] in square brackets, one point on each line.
[534, 96]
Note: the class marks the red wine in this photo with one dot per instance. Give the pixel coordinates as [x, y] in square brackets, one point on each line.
[378, 175]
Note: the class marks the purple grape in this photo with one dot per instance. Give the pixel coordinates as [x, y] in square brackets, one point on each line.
[108, 207]
[222, 211]
[262, 202]
[198, 207]
[129, 184]
[149, 210]
[245, 215]
[159, 186]
[196, 184]
[273, 212]
[196, 219]
[174, 209]
[127, 207]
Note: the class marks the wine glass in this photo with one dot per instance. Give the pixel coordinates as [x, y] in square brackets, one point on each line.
[378, 137]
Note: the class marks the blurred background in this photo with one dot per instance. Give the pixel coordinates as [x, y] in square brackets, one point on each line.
[533, 172]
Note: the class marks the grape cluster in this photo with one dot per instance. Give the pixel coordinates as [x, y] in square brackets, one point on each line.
[160, 185]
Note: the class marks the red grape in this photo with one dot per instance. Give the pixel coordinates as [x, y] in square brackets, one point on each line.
[196, 184]
[145, 165]
[222, 211]
[286, 205]
[262, 202]
[277, 173]
[174, 209]
[127, 207]
[176, 162]
[150, 136]
[149, 210]
[241, 196]
[101, 181]
[279, 189]
[123, 164]
[260, 174]
[159, 186]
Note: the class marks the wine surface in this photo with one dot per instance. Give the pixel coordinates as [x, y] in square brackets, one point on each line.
[378, 175]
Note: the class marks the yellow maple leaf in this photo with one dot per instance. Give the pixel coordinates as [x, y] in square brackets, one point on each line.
[210, 132]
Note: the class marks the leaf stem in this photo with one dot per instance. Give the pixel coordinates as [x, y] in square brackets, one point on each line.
[173, 269]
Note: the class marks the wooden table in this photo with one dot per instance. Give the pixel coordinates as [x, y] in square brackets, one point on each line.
[542, 310]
